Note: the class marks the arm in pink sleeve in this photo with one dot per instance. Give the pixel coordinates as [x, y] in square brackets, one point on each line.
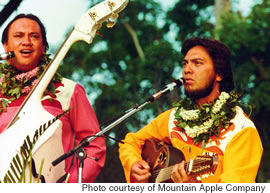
[85, 123]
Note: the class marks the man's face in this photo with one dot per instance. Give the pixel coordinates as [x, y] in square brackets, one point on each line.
[199, 73]
[25, 39]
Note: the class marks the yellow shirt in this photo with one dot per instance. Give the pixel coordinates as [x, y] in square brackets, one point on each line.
[239, 147]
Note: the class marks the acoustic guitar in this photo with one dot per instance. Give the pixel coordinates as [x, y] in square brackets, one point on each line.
[162, 157]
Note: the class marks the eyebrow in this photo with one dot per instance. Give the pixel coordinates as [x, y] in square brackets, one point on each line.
[193, 59]
[31, 33]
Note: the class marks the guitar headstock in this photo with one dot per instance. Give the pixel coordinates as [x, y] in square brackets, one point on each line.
[204, 166]
[92, 20]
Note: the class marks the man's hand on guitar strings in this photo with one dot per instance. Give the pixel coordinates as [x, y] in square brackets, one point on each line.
[140, 170]
[179, 174]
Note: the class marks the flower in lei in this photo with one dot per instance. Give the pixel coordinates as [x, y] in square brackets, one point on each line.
[201, 123]
[14, 83]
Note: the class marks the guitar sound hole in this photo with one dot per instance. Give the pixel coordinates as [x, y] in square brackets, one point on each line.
[162, 158]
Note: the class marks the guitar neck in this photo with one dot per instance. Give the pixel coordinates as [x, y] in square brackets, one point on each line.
[84, 30]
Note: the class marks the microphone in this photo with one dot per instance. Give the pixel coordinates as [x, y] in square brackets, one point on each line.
[168, 88]
[7, 55]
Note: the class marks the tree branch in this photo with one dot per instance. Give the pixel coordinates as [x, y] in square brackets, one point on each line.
[260, 67]
[135, 40]
[221, 7]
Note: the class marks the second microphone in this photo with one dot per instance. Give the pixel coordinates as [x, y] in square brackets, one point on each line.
[168, 88]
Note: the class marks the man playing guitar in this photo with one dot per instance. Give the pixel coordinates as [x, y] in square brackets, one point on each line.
[208, 120]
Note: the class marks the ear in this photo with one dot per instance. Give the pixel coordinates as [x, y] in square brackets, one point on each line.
[44, 50]
[218, 78]
[5, 47]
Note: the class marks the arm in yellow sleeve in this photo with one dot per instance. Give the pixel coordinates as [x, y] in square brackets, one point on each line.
[130, 151]
[242, 157]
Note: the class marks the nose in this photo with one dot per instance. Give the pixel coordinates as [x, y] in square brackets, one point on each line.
[187, 69]
[27, 40]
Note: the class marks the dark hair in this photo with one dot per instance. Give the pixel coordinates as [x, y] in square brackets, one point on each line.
[220, 55]
[29, 16]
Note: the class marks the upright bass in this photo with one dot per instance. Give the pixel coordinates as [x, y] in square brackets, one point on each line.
[27, 137]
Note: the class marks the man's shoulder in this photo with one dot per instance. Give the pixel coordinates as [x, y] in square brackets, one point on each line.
[241, 120]
[166, 114]
[66, 85]
[67, 81]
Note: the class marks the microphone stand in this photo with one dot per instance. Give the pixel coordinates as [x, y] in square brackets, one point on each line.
[81, 154]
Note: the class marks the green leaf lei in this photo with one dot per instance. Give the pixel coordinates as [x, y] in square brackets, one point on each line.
[12, 87]
[201, 123]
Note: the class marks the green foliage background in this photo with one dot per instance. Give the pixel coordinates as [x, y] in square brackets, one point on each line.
[117, 76]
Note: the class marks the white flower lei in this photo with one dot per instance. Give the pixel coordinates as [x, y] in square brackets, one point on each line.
[201, 123]
[191, 115]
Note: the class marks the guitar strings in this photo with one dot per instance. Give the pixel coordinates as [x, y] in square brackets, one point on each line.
[169, 168]
[166, 172]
